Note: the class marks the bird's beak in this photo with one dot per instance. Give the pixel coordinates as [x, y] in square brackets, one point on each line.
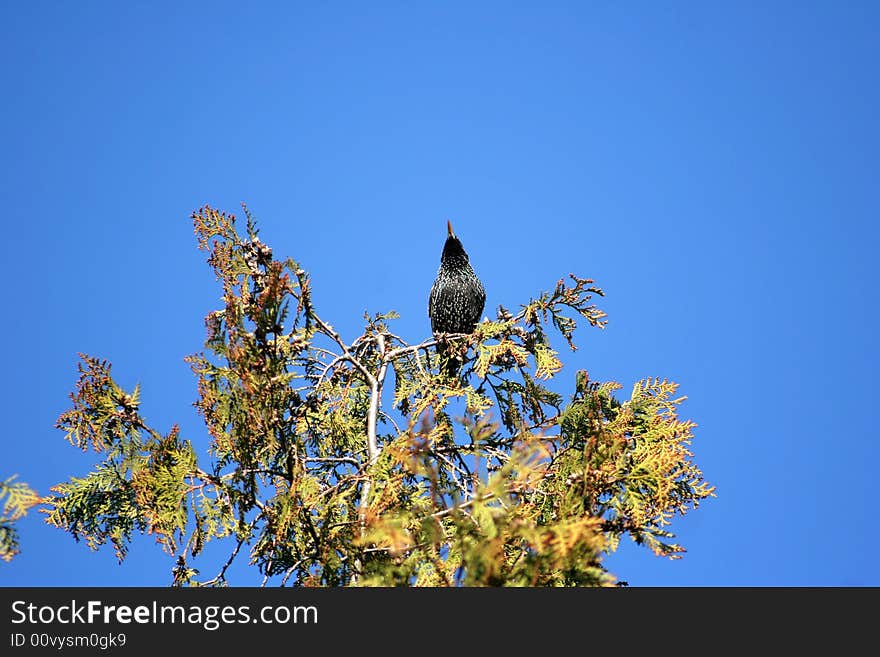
[449, 228]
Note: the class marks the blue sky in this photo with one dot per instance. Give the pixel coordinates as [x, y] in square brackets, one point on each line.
[712, 165]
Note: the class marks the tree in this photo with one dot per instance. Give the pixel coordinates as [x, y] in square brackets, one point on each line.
[362, 462]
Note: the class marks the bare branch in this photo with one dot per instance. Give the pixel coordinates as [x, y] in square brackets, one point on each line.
[391, 420]
[375, 397]
[453, 470]
[330, 332]
[334, 459]
[290, 572]
[338, 359]
[266, 576]
[396, 353]
[221, 576]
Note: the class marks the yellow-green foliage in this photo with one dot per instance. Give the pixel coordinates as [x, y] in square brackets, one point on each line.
[324, 478]
[16, 498]
[141, 484]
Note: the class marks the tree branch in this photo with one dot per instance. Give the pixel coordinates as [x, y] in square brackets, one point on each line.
[399, 351]
[330, 332]
[375, 398]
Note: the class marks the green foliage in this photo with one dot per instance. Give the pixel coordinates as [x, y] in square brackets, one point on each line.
[16, 498]
[324, 478]
[142, 482]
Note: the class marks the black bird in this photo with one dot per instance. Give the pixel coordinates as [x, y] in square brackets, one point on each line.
[457, 296]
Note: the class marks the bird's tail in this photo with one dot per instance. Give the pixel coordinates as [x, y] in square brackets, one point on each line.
[450, 365]
[449, 359]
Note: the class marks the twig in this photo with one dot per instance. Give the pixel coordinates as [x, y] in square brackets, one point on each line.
[372, 445]
[455, 469]
[395, 336]
[395, 353]
[330, 332]
[322, 350]
[375, 395]
[328, 367]
[333, 459]
[221, 576]
[289, 572]
[391, 420]
[267, 471]
[266, 576]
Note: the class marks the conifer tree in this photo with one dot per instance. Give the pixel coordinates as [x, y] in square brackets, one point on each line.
[357, 460]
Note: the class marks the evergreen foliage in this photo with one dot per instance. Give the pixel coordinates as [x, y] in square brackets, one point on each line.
[16, 498]
[337, 461]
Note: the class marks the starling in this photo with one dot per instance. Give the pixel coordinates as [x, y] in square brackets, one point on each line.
[457, 296]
